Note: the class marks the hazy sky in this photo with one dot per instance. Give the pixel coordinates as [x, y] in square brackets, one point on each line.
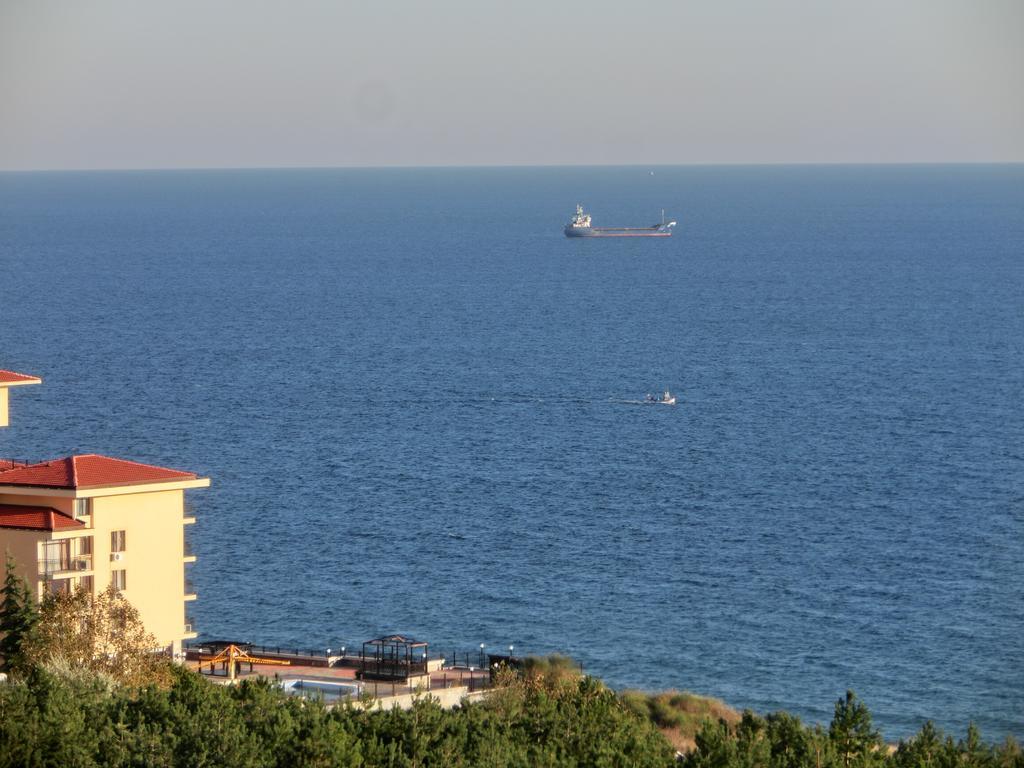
[196, 83]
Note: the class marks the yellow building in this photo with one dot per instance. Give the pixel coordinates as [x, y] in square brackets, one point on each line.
[10, 379]
[90, 521]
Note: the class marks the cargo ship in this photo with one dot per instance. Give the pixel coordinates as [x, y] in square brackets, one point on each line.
[580, 227]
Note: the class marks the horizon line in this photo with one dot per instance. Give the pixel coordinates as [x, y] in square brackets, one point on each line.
[497, 166]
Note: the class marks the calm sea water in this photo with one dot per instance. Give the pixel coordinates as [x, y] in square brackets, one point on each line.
[412, 394]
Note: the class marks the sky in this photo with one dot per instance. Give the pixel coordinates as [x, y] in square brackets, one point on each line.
[110, 84]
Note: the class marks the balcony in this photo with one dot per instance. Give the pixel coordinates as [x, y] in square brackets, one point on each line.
[65, 566]
[190, 590]
[189, 633]
[187, 554]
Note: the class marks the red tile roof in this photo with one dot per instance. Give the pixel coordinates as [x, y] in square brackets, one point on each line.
[10, 377]
[36, 518]
[90, 471]
[10, 464]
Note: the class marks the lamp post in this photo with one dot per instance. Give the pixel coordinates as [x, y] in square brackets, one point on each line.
[482, 646]
[511, 649]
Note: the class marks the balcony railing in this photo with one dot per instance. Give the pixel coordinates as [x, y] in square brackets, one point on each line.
[189, 623]
[50, 566]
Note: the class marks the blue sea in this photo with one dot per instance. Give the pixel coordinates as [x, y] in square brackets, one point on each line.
[417, 403]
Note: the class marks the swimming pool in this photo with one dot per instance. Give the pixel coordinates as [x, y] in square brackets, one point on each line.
[329, 690]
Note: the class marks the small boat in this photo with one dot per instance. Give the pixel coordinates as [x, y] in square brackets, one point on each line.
[666, 399]
[580, 226]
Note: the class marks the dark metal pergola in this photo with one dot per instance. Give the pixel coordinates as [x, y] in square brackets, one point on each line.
[393, 657]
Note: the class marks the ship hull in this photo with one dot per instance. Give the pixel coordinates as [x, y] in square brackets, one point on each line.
[658, 231]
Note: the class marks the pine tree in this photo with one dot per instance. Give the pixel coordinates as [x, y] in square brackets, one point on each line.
[17, 617]
[790, 741]
[856, 742]
[975, 753]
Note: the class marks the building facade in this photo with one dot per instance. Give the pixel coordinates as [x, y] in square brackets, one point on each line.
[10, 379]
[89, 521]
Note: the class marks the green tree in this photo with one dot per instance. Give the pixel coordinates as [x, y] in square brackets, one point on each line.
[716, 747]
[791, 742]
[821, 751]
[754, 748]
[52, 720]
[927, 749]
[17, 618]
[856, 742]
[974, 752]
[1009, 754]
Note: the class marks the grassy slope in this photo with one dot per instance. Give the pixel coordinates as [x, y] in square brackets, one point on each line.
[678, 715]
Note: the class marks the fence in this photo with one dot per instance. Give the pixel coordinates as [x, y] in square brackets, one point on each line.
[214, 647]
[266, 650]
[467, 659]
[453, 660]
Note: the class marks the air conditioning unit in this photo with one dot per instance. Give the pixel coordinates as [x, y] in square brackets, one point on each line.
[116, 556]
[81, 565]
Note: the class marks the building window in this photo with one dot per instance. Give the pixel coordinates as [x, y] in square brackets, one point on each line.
[119, 580]
[81, 553]
[86, 583]
[117, 541]
[56, 556]
[83, 507]
[59, 586]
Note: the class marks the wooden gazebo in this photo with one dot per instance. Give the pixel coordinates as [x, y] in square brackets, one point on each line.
[393, 657]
